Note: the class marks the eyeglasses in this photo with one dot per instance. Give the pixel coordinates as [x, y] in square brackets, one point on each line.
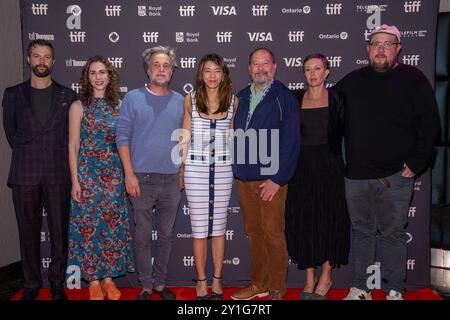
[158, 66]
[385, 44]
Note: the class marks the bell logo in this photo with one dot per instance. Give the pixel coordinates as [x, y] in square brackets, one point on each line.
[260, 36]
[412, 6]
[410, 237]
[188, 63]
[411, 59]
[229, 235]
[224, 36]
[187, 88]
[333, 8]
[296, 36]
[260, 10]
[150, 36]
[187, 11]
[113, 11]
[77, 36]
[188, 261]
[75, 87]
[39, 9]
[114, 37]
[74, 20]
[296, 85]
[293, 62]
[410, 263]
[335, 61]
[116, 62]
[224, 10]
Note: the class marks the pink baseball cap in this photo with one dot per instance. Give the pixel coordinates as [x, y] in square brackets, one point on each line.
[384, 28]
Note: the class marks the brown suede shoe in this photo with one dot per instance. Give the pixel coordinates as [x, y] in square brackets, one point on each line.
[250, 292]
[277, 295]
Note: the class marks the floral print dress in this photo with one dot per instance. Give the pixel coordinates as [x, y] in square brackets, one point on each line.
[99, 239]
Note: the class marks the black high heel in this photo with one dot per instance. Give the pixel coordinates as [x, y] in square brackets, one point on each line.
[205, 297]
[216, 295]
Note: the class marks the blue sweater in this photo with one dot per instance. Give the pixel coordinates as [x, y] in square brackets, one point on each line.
[278, 110]
[146, 124]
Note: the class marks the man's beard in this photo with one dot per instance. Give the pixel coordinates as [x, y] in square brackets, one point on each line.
[382, 67]
[42, 74]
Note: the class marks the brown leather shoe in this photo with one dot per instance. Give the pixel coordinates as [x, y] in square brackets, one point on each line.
[250, 292]
[277, 295]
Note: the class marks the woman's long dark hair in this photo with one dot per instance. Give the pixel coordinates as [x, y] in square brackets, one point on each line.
[225, 87]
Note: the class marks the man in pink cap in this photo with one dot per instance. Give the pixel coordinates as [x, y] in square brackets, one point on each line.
[391, 124]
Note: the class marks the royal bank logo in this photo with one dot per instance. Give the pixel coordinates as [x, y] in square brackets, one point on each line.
[74, 20]
[187, 11]
[77, 36]
[417, 185]
[412, 6]
[224, 10]
[39, 9]
[296, 85]
[187, 63]
[296, 36]
[113, 10]
[188, 261]
[45, 236]
[76, 87]
[116, 62]
[293, 62]
[188, 37]
[150, 11]
[412, 212]
[150, 36]
[36, 36]
[179, 37]
[333, 8]
[304, 10]
[335, 61]
[411, 59]
[234, 210]
[230, 62]
[260, 36]
[224, 36]
[260, 10]
[229, 235]
[113, 37]
[75, 63]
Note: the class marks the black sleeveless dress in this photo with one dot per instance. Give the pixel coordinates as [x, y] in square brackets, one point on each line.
[317, 223]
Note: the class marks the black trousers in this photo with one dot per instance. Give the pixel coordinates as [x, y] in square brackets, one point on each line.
[28, 203]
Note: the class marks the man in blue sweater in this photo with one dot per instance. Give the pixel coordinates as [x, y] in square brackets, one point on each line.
[266, 149]
[147, 119]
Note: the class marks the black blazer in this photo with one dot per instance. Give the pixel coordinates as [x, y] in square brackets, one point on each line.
[39, 152]
[336, 109]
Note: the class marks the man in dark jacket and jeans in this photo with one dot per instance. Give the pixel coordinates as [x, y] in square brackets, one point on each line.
[266, 148]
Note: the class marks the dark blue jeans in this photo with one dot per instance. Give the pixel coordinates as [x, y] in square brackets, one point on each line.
[378, 208]
[162, 192]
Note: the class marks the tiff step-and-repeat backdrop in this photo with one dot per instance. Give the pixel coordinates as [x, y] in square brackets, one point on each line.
[121, 30]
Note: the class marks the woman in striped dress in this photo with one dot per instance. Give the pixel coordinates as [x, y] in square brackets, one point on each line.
[208, 177]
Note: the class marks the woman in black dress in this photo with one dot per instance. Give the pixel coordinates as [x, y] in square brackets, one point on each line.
[317, 224]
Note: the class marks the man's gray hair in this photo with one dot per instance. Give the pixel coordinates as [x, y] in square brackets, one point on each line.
[148, 53]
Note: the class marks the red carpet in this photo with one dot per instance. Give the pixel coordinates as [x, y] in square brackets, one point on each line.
[188, 293]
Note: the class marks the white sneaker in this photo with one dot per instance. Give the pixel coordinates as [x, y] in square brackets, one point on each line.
[394, 295]
[358, 294]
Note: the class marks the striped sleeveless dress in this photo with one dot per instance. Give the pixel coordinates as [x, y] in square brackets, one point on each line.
[208, 176]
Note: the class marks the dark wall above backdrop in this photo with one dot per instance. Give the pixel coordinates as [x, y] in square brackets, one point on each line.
[121, 30]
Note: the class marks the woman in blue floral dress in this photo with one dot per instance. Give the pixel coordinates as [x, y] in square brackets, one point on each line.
[99, 239]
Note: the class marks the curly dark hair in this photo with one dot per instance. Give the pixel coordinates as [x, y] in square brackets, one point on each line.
[225, 87]
[112, 94]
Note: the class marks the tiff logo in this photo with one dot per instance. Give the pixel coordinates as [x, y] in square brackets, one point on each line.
[77, 36]
[335, 61]
[188, 63]
[410, 263]
[296, 36]
[260, 10]
[113, 11]
[150, 36]
[39, 9]
[116, 61]
[185, 210]
[412, 6]
[333, 8]
[188, 261]
[187, 11]
[296, 85]
[293, 62]
[229, 234]
[224, 10]
[411, 59]
[259, 36]
[412, 212]
[75, 87]
[224, 36]
[154, 235]
[46, 262]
